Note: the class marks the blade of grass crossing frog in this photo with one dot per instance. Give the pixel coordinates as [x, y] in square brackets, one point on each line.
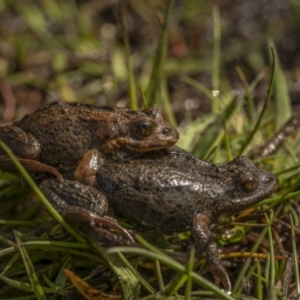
[159, 59]
[281, 94]
[30, 270]
[216, 59]
[265, 105]
[131, 80]
[214, 131]
[128, 280]
[295, 256]
[40, 195]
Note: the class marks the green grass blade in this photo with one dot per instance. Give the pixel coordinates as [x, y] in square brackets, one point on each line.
[281, 94]
[214, 132]
[159, 276]
[131, 80]
[200, 87]
[189, 269]
[295, 257]
[30, 269]
[23, 285]
[271, 248]
[190, 135]
[174, 265]
[159, 60]
[238, 286]
[265, 105]
[165, 99]
[175, 284]
[216, 59]
[129, 281]
[250, 101]
[10, 263]
[259, 288]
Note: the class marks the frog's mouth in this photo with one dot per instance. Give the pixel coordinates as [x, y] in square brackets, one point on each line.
[146, 147]
[156, 142]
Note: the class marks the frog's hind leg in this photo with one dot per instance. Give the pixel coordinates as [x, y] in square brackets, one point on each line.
[23, 144]
[30, 165]
[82, 204]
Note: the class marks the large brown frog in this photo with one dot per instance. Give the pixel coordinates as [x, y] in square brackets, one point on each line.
[60, 134]
[167, 190]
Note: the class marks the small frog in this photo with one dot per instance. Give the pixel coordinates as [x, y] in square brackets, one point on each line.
[169, 191]
[60, 134]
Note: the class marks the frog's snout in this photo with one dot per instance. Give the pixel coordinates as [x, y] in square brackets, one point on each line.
[271, 181]
[169, 133]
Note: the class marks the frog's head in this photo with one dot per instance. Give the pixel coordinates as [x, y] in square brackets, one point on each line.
[150, 132]
[250, 185]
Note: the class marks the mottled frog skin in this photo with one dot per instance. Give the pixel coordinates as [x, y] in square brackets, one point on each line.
[60, 133]
[171, 191]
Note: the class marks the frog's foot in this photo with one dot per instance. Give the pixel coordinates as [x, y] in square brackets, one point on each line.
[88, 167]
[216, 268]
[94, 221]
[77, 202]
[23, 144]
[202, 237]
[30, 165]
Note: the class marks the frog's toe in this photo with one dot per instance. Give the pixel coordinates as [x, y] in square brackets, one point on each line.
[220, 275]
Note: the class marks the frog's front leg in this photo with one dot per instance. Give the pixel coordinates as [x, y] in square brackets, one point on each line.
[87, 168]
[77, 202]
[202, 237]
[23, 144]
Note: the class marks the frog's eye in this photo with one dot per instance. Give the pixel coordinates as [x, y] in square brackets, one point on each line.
[142, 128]
[248, 183]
